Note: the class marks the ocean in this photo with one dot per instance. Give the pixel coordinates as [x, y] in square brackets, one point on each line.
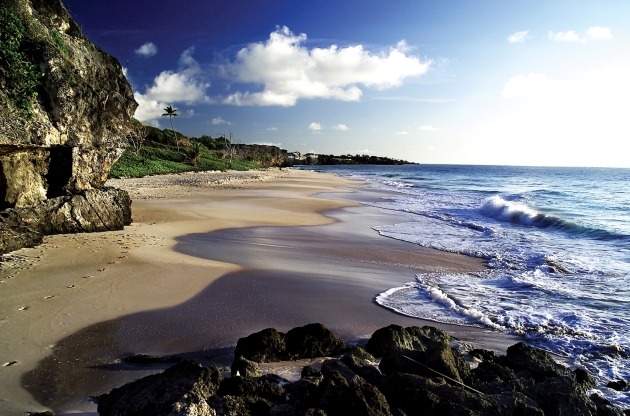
[556, 242]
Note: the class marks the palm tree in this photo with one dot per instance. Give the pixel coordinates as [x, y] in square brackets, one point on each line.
[172, 112]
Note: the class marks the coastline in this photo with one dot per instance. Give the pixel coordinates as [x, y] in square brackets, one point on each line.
[145, 270]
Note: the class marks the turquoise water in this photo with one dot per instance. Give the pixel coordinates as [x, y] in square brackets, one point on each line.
[556, 241]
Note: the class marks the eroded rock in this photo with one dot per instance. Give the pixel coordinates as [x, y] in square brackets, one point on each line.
[61, 138]
[180, 390]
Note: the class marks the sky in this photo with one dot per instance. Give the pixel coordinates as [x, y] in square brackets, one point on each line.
[536, 83]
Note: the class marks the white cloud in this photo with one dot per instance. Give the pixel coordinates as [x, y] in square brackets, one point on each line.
[569, 36]
[272, 129]
[428, 128]
[599, 33]
[340, 126]
[530, 85]
[315, 126]
[364, 151]
[125, 71]
[271, 144]
[188, 86]
[189, 113]
[147, 50]
[400, 133]
[219, 120]
[519, 37]
[289, 71]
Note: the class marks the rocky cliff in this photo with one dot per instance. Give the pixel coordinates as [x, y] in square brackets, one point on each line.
[64, 116]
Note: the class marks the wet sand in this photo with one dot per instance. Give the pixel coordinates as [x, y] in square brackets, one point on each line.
[218, 265]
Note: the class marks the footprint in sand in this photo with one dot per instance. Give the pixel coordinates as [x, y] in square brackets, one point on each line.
[70, 287]
[9, 364]
[48, 297]
[87, 277]
[23, 308]
[101, 270]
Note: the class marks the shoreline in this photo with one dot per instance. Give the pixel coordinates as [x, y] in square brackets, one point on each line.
[146, 252]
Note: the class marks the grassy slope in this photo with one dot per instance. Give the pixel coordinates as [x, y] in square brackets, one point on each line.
[162, 159]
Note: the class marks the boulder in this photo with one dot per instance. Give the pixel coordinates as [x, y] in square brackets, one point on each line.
[395, 337]
[179, 390]
[265, 346]
[312, 340]
[619, 385]
[258, 394]
[269, 345]
[245, 368]
[532, 362]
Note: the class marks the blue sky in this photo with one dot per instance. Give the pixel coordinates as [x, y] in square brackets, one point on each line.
[475, 82]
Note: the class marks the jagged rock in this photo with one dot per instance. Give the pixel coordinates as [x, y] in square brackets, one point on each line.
[491, 378]
[258, 394]
[338, 366]
[180, 390]
[395, 337]
[483, 355]
[228, 406]
[561, 396]
[605, 407]
[312, 340]
[532, 362]
[245, 368]
[310, 372]
[360, 354]
[90, 211]
[525, 382]
[64, 141]
[269, 345]
[619, 385]
[265, 346]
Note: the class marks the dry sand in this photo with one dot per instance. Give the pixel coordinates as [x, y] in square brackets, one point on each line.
[75, 304]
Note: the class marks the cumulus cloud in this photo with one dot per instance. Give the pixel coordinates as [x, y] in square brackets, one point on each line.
[147, 50]
[401, 133]
[219, 120]
[428, 128]
[519, 37]
[187, 85]
[569, 36]
[530, 85]
[125, 71]
[272, 129]
[315, 126]
[289, 71]
[599, 33]
[340, 126]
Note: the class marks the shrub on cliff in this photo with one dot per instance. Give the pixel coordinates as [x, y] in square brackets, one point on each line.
[19, 76]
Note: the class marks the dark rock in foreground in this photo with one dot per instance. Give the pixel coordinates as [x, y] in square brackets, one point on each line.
[438, 381]
[269, 345]
[180, 390]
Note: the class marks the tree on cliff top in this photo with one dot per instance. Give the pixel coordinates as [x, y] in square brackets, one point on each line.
[172, 112]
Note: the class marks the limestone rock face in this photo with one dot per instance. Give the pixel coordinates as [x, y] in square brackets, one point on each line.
[74, 124]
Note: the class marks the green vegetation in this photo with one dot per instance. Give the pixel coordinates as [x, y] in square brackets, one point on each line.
[61, 44]
[21, 76]
[358, 160]
[158, 159]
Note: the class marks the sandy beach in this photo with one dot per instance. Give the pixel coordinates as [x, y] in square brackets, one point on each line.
[209, 258]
